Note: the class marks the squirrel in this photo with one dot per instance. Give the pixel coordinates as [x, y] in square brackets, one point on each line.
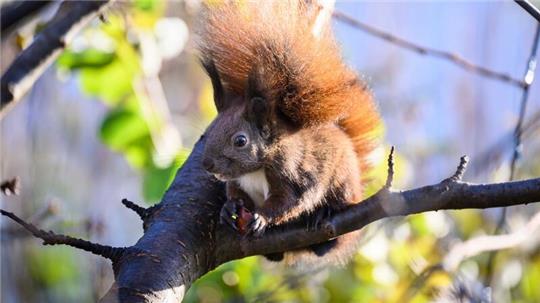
[295, 126]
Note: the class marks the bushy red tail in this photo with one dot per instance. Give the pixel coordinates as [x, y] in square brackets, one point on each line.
[305, 71]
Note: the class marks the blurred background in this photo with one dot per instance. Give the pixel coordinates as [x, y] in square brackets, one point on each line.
[116, 115]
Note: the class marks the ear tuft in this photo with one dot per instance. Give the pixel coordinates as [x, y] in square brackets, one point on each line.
[255, 86]
[213, 73]
[259, 107]
[259, 112]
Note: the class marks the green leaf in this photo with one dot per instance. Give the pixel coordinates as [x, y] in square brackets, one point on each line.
[91, 57]
[112, 83]
[146, 5]
[122, 128]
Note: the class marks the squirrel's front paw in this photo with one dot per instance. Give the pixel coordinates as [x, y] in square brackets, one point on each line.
[229, 213]
[257, 226]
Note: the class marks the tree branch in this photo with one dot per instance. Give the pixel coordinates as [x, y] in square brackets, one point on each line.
[139, 210]
[183, 239]
[12, 233]
[71, 17]
[530, 8]
[143, 213]
[450, 193]
[50, 238]
[13, 13]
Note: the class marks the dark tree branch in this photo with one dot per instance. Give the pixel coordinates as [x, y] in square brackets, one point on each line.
[15, 12]
[390, 176]
[139, 210]
[71, 17]
[183, 239]
[12, 233]
[50, 238]
[144, 213]
[451, 193]
[530, 8]
[460, 171]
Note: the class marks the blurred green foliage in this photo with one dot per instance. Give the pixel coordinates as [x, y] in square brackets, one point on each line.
[60, 280]
[46, 269]
[109, 68]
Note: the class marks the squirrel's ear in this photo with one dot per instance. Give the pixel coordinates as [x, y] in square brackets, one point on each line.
[255, 84]
[259, 113]
[259, 110]
[212, 71]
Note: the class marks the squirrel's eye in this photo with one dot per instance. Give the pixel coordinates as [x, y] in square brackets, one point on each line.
[240, 140]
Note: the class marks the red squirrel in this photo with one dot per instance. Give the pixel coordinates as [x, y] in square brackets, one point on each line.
[295, 125]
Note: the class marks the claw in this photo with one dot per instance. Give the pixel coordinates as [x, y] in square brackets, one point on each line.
[257, 226]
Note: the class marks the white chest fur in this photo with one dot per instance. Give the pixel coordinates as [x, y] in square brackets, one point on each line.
[255, 185]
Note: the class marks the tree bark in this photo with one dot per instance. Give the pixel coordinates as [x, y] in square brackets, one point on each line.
[183, 240]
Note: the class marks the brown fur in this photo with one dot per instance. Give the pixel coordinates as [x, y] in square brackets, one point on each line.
[309, 119]
[307, 73]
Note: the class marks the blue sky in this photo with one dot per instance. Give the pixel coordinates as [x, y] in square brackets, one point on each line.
[430, 105]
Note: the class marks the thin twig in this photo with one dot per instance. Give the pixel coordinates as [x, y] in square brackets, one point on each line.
[390, 176]
[141, 211]
[460, 171]
[50, 238]
[50, 209]
[422, 50]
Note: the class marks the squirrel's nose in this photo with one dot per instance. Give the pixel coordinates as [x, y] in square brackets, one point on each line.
[208, 164]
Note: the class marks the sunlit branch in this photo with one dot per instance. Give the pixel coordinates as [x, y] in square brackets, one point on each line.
[71, 17]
